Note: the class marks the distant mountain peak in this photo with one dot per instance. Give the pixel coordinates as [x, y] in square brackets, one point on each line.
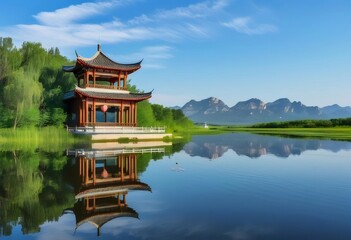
[253, 110]
[251, 104]
[214, 100]
[282, 100]
[206, 106]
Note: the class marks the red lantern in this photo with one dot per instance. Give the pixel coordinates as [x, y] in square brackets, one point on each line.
[104, 108]
[104, 173]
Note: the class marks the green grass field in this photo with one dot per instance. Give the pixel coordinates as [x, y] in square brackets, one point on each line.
[52, 139]
[47, 138]
[334, 133]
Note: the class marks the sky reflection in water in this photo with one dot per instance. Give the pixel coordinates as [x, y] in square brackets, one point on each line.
[234, 186]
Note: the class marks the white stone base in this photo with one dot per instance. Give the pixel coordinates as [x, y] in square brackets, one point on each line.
[131, 136]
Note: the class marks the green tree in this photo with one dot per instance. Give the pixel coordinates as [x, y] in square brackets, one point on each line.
[145, 114]
[10, 58]
[22, 96]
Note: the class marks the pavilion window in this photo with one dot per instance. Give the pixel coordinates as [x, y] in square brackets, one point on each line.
[112, 115]
[91, 79]
[100, 115]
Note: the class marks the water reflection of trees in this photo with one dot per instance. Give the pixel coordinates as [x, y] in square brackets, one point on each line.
[36, 186]
[254, 146]
[31, 190]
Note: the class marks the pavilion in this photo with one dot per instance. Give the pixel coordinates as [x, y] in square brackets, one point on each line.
[101, 97]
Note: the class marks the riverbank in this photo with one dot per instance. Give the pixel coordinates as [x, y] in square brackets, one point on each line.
[332, 133]
[53, 138]
[47, 138]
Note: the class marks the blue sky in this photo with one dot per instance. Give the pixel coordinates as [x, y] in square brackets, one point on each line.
[230, 49]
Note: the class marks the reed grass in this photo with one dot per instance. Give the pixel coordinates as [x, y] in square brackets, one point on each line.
[47, 138]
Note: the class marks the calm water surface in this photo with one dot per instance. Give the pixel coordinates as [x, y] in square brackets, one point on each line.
[230, 186]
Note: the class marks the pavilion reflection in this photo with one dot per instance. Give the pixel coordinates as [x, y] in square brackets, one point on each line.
[103, 179]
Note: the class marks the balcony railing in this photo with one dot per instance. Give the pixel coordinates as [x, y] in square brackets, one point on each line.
[118, 129]
[107, 124]
[105, 86]
[113, 152]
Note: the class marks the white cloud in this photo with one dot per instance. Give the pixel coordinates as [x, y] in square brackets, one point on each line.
[73, 13]
[198, 10]
[80, 35]
[157, 52]
[61, 28]
[142, 19]
[247, 26]
[154, 56]
[197, 30]
[76, 26]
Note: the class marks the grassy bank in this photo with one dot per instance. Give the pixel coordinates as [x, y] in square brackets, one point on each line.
[48, 138]
[334, 133]
[198, 130]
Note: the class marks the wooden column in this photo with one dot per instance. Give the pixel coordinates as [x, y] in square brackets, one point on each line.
[124, 199]
[136, 114]
[80, 166]
[94, 170]
[122, 168]
[133, 114]
[94, 77]
[86, 170]
[135, 168]
[86, 112]
[118, 80]
[81, 113]
[121, 114]
[94, 113]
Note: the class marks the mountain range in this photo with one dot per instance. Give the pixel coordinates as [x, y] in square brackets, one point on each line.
[214, 111]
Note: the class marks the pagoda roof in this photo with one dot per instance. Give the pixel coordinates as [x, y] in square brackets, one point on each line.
[107, 94]
[100, 60]
[99, 217]
[121, 187]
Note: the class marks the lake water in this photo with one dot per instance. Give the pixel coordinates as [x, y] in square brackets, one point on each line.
[229, 186]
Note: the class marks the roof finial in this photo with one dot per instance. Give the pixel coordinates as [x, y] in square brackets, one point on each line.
[99, 47]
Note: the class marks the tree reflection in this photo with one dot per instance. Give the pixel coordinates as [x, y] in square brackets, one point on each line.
[37, 186]
[31, 190]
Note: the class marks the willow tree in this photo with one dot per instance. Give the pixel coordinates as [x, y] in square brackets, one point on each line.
[22, 96]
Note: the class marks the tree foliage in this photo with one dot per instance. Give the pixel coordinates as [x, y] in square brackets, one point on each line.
[32, 86]
[22, 97]
[158, 115]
